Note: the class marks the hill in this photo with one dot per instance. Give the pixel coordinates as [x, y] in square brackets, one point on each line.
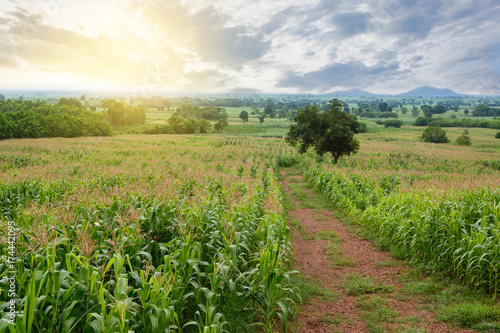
[351, 93]
[428, 91]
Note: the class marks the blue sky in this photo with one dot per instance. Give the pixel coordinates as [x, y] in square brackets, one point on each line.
[309, 46]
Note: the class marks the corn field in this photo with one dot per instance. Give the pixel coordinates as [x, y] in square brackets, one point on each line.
[144, 234]
[443, 208]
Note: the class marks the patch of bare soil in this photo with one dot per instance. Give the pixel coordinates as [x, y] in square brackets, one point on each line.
[344, 315]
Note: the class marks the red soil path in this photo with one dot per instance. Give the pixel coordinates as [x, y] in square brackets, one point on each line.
[311, 259]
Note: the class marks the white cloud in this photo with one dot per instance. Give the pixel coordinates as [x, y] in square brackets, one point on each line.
[274, 46]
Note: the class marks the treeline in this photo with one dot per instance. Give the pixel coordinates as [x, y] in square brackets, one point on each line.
[448, 122]
[484, 110]
[194, 111]
[179, 125]
[120, 114]
[367, 114]
[36, 119]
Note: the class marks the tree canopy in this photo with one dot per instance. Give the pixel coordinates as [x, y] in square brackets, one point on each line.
[70, 102]
[35, 119]
[434, 134]
[120, 114]
[331, 130]
[244, 116]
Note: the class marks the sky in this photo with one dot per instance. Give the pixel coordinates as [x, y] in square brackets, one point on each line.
[247, 46]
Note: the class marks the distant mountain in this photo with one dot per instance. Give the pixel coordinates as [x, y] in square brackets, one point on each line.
[428, 91]
[351, 93]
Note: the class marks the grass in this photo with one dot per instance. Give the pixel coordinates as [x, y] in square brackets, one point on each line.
[375, 309]
[335, 254]
[356, 285]
[329, 235]
[427, 287]
[335, 320]
[389, 263]
[313, 288]
[306, 195]
[471, 315]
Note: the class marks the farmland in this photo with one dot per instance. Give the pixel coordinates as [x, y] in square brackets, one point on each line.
[189, 233]
[439, 203]
[147, 234]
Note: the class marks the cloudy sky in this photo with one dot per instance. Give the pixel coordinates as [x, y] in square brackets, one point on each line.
[281, 46]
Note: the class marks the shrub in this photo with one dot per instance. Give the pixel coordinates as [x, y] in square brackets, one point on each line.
[393, 123]
[497, 135]
[463, 140]
[422, 121]
[434, 134]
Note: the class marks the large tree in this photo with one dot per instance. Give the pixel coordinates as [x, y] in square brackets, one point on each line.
[244, 116]
[331, 130]
[120, 114]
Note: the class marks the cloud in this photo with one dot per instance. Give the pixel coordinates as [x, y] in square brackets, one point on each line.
[350, 24]
[203, 32]
[278, 46]
[39, 46]
[241, 90]
[353, 74]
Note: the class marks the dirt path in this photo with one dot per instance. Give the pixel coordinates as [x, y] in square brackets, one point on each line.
[336, 264]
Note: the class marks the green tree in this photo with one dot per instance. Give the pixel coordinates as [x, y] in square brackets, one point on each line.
[262, 117]
[415, 111]
[464, 139]
[167, 104]
[116, 112]
[434, 134]
[483, 110]
[393, 123]
[466, 112]
[383, 107]
[220, 125]
[438, 109]
[270, 107]
[244, 116]
[120, 114]
[329, 131]
[70, 101]
[204, 126]
[427, 110]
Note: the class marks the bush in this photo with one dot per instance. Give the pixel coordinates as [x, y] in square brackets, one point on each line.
[497, 135]
[160, 129]
[422, 121]
[449, 122]
[463, 140]
[393, 123]
[434, 134]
